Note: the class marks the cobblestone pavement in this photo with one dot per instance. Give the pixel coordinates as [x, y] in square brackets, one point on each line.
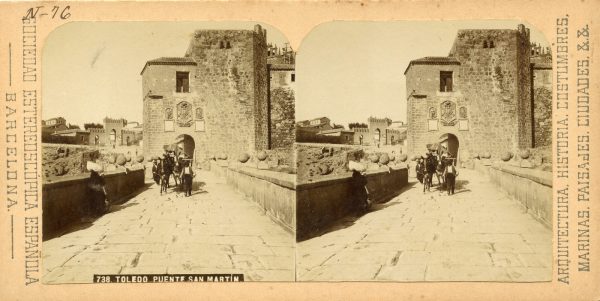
[477, 234]
[217, 230]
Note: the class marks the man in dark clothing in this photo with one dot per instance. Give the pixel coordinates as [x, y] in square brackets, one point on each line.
[420, 170]
[359, 190]
[450, 173]
[167, 170]
[156, 171]
[187, 174]
[97, 193]
[430, 167]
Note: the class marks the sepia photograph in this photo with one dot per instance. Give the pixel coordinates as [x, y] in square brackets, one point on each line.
[168, 149]
[424, 152]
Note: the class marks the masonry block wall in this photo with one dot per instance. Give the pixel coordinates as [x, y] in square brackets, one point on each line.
[227, 95]
[283, 134]
[542, 105]
[362, 136]
[490, 97]
[424, 81]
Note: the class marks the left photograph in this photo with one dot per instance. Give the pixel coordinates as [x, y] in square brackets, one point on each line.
[168, 152]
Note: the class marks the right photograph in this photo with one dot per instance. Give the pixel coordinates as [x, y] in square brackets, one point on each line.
[424, 152]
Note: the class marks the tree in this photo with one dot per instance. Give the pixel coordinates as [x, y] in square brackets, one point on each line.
[88, 126]
[354, 125]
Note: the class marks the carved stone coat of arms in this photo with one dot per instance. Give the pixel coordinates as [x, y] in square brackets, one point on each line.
[448, 113]
[184, 114]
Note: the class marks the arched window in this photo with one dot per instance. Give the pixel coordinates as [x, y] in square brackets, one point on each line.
[221, 45]
[228, 45]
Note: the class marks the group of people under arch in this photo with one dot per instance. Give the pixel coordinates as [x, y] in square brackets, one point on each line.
[441, 164]
[177, 165]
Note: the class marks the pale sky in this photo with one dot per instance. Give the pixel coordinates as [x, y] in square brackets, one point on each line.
[92, 69]
[347, 71]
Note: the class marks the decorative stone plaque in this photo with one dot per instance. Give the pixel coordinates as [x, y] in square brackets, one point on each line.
[448, 113]
[184, 114]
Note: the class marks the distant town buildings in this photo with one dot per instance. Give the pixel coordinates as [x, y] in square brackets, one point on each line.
[377, 132]
[114, 132]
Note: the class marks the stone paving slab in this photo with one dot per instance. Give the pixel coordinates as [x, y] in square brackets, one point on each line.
[477, 234]
[217, 230]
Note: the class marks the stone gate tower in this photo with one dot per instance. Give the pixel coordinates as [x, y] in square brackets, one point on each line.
[213, 99]
[477, 99]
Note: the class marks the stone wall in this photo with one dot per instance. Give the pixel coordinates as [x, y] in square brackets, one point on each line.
[492, 82]
[283, 133]
[425, 81]
[273, 191]
[362, 136]
[542, 106]
[116, 125]
[64, 199]
[322, 202]
[229, 85]
[531, 187]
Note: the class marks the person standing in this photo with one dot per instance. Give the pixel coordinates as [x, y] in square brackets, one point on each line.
[166, 170]
[187, 174]
[98, 203]
[360, 191]
[430, 167]
[420, 169]
[450, 173]
[156, 170]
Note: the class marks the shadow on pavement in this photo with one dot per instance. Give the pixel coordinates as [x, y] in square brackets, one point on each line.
[88, 221]
[350, 220]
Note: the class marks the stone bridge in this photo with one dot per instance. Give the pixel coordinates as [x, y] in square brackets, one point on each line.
[216, 230]
[478, 234]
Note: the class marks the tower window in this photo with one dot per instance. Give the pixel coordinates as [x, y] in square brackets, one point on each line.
[293, 77]
[228, 45]
[182, 82]
[221, 45]
[446, 81]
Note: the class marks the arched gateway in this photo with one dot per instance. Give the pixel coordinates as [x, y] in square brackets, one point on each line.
[185, 145]
[450, 143]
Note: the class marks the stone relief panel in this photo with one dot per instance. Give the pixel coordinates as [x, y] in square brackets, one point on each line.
[184, 114]
[448, 113]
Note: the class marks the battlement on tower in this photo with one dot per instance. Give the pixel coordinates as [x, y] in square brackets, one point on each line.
[112, 121]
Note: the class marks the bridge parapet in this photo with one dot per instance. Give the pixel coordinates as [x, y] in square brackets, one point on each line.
[531, 187]
[65, 199]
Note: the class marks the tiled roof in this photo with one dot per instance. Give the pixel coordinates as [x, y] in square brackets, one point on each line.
[433, 60]
[170, 61]
[173, 60]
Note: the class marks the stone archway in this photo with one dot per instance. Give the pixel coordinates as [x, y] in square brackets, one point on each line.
[377, 136]
[185, 145]
[451, 143]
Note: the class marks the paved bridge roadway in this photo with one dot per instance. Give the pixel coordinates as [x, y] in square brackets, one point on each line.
[477, 234]
[215, 231]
